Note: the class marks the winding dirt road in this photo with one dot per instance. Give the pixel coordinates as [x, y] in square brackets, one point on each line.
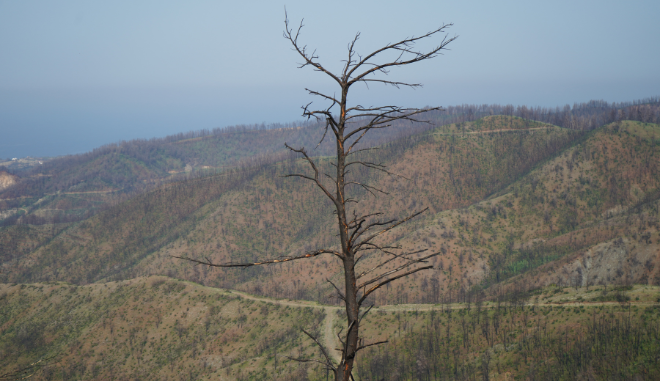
[329, 335]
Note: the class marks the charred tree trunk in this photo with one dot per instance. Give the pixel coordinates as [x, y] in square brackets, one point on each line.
[360, 232]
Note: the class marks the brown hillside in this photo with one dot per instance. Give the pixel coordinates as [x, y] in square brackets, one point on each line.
[502, 204]
[264, 215]
[589, 216]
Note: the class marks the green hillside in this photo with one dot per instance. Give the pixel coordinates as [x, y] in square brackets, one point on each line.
[153, 329]
[513, 341]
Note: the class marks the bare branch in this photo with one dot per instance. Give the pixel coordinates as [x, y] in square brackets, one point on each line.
[351, 52]
[379, 285]
[315, 179]
[310, 59]
[371, 237]
[348, 333]
[358, 230]
[368, 188]
[395, 256]
[372, 344]
[207, 262]
[323, 351]
[392, 83]
[339, 293]
[305, 360]
[340, 340]
[378, 167]
[319, 114]
[364, 217]
[404, 46]
[365, 313]
[312, 92]
[325, 132]
[393, 271]
[350, 148]
[376, 248]
[360, 108]
[362, 149]
[381, 120]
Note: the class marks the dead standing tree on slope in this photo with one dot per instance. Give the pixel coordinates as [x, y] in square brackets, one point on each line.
[358, 230]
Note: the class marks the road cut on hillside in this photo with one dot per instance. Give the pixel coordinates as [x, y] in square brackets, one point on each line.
[330, 338]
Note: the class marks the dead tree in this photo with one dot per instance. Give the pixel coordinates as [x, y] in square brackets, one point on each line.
[359, 231]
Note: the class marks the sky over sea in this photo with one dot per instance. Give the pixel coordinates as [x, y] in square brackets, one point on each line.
[75, 75]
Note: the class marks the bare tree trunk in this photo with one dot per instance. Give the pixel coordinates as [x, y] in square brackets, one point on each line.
[352, 317]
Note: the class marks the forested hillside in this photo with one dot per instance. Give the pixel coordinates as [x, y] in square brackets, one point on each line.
[547, 222]
[153, 328]
[158, 328]
[255, 212]
[528, 194]
[541, 340]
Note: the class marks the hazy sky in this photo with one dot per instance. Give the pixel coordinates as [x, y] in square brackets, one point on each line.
[78, 74]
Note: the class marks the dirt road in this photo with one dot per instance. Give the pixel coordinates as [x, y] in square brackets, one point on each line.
[330, 336]
[494, 131]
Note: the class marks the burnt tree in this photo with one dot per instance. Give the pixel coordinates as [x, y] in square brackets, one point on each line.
[360, 232]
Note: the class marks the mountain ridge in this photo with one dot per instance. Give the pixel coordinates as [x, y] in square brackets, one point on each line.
[265, 194]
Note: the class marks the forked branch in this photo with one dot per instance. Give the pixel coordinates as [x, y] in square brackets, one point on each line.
[309, 58]
[394, 271]
[383, 231]
[379, 285]
[314, 179]
[405, 46]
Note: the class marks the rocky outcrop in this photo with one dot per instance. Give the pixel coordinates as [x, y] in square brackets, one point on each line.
[7, 180]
